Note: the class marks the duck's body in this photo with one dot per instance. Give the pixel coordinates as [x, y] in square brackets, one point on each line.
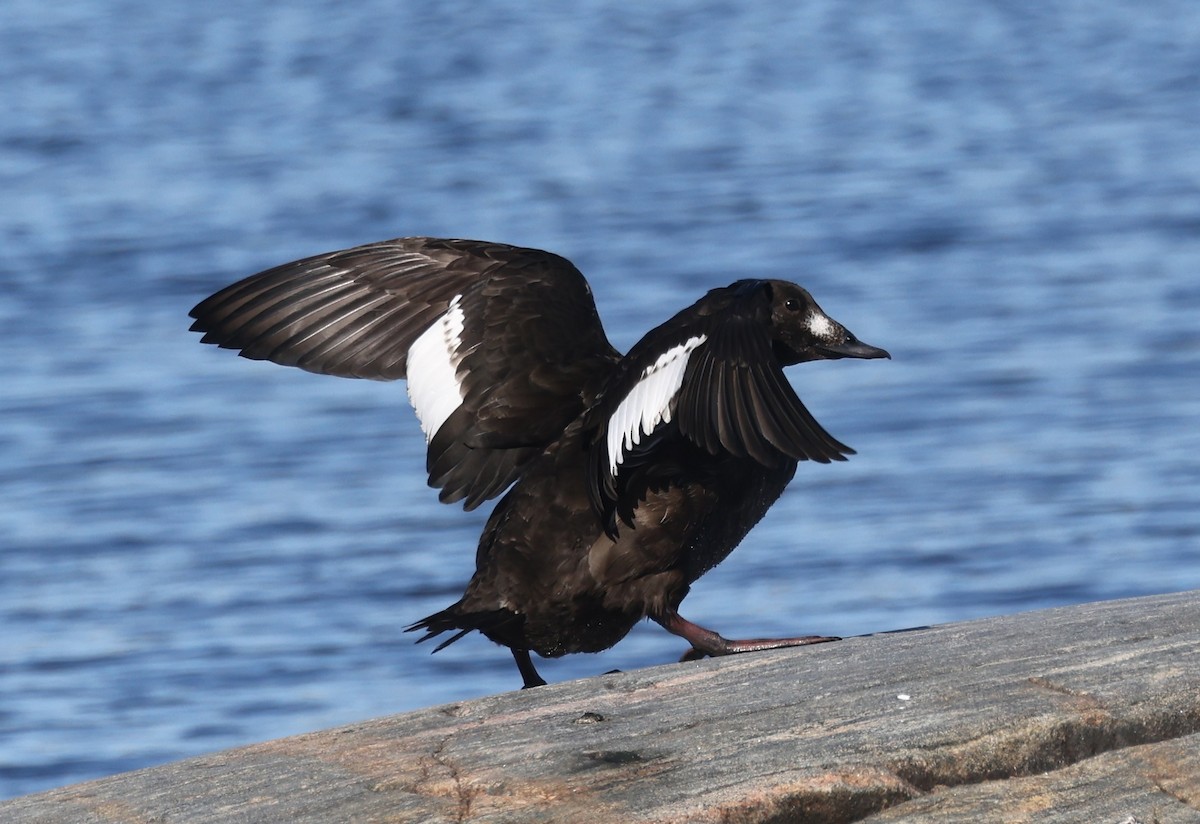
[633, 475]
[550, 579]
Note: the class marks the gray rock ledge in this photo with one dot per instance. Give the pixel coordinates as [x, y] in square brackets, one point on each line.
[1088, 713]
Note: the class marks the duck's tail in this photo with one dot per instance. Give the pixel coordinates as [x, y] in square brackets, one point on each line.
[496, 624]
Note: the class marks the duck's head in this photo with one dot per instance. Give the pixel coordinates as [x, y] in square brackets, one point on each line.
[801, 331]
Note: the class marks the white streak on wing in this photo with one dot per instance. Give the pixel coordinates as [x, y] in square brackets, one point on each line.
[434, 389]
[650, 402]
[820, 325]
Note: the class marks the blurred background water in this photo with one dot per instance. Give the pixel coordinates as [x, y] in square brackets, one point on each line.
[197, 551]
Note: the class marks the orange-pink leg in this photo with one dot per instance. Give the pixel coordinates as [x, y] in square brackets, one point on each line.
[706, 642]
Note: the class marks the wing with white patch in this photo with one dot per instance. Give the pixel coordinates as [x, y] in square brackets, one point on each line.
[706, 382]
[501, 345]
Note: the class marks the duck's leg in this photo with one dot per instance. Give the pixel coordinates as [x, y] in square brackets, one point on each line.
[706, 642]
[528, 672]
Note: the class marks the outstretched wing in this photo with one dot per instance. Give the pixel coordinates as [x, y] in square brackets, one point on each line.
[706, 379]
[501, 346]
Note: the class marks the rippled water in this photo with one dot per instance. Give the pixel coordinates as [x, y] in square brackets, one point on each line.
[197, 551]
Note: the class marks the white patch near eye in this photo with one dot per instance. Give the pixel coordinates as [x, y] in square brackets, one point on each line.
[650, 401]
[434, 389]
[820, 325]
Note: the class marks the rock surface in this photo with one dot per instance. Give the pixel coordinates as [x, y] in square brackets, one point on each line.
[1088, 713]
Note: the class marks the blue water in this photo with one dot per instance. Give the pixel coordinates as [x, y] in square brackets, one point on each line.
[197, 551]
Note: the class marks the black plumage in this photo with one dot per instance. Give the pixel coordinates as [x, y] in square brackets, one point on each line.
[630, 476]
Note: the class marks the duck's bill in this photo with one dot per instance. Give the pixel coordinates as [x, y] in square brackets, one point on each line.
[853, 348]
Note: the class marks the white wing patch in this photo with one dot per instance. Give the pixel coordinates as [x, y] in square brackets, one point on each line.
[434, 389]
[650, 402]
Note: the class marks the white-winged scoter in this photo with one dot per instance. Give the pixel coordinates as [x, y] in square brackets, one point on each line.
[631, 476]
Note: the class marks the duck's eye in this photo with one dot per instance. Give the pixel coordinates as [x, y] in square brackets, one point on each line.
[792, 304]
